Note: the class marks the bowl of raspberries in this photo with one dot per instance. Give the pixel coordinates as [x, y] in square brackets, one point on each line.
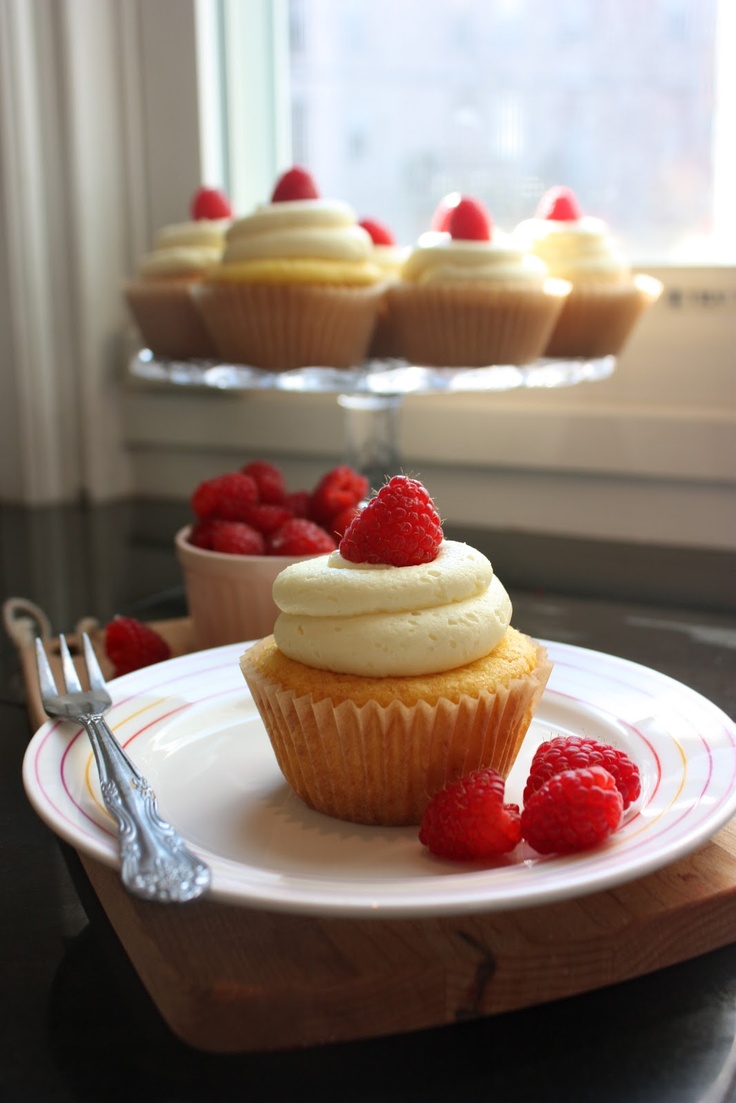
[247, 527]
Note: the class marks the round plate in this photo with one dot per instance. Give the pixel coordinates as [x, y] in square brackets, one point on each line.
[192, 728]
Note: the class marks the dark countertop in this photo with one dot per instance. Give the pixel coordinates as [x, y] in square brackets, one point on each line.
[77, 1025]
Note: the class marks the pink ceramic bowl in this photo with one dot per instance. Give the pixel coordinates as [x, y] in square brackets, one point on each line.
[229, 596]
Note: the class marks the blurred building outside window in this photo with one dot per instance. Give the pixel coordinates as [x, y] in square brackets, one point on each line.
[394, 103]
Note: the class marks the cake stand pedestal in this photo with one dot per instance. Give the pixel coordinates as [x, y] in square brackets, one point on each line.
[372, 395]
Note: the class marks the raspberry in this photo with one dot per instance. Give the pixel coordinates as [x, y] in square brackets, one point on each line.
[297, 183]
[574, 810]
[130, 645]
[380, 234]
[468, 819]
[225, 496]
[559, 205]
[400, 526]
[210, 203]
[269, 480]
[300, 537]
[339, 488]
[297, 503]
[468, 220]
[238, 538]
[266, 518]
[569, 752]
[202, 532]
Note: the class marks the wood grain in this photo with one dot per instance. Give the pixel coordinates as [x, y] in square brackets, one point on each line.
[230, 979]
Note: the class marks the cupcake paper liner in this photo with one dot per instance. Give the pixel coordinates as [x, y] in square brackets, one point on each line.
[168, 320]
[597, 319]
[378, 764]
[284, 326]
[467, 325]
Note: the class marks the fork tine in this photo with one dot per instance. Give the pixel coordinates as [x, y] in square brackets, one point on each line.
[96, 680]
[73, 684]
[45, 677]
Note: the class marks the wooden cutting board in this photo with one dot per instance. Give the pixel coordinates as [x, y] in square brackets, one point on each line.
[230, 979]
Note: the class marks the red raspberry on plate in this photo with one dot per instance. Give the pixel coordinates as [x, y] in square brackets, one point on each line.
[297, 183]
[269, 480]
[468, 220]
[300, 537]
[238, 538]
[574, 810]
[339, 488]
[225, 496]
[468, 819]
[559, 205]
[570, 752]
[211, 203]
[400, 526]
[131, 645]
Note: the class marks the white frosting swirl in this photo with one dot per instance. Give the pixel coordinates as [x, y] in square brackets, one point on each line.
[185, 248]
[378, 621]
[438, 258]
[324, 229]
[579, 248]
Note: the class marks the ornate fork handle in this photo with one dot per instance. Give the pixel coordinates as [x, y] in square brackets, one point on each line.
[155, 862]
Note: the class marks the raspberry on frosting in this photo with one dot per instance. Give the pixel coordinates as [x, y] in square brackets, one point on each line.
[559, 205]
[468, 220]
[399, 527]
[210, 203]
[297, 183]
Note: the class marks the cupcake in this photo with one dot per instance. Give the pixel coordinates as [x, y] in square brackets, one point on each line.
[389, 257]
[606, 298]
[393, 668]
[470, 297]
[296, 286]
[159, 298]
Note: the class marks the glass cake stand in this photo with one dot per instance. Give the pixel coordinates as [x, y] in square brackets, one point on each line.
[371, 396]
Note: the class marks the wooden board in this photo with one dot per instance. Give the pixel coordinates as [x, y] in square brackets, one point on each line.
[230, 979]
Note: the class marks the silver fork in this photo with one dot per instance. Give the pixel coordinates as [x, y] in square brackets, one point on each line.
[155, 862]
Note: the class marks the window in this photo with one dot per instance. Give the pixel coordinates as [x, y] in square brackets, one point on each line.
[393, 104]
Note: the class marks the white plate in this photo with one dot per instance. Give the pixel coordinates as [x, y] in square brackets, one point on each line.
[192, 728]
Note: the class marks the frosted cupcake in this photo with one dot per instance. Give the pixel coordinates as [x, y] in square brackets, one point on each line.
[606, 299]
[470, 297]
[393, 668]
[297, 286]
[159, 298]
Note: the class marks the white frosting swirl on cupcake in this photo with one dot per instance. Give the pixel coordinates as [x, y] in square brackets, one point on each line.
[438, 258]
[185, 248]
[378, 620]
[323, 229]
[575, 249]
